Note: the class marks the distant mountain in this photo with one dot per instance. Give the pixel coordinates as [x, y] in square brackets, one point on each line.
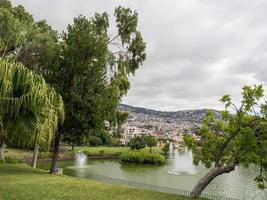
[194, 116]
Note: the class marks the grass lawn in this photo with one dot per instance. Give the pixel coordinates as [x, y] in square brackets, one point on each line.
[20, 182]
[111, 150]
[102, 150]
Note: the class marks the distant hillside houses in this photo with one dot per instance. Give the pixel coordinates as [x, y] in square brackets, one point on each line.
[130, 131]
[161, 124]
[161, 131]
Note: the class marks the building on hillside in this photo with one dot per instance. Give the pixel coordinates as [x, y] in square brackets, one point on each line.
[128, 133]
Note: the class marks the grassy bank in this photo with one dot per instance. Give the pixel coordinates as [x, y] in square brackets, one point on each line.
[20, 182]
[111, 150]
[26, 155]
[102, 150]
[93, 152]
[90, 151]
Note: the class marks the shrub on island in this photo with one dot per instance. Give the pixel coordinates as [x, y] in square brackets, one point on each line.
[141, 157]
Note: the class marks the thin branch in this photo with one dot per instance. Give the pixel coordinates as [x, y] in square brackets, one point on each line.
[117, 45]
[241, 107]
[113, 38]
[121, 52]
[216, 129]
[234, 107]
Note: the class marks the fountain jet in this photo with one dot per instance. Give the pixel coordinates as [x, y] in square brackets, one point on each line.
[181, 162]
[81, 159]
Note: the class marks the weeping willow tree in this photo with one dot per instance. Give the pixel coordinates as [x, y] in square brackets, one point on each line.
[30, 110]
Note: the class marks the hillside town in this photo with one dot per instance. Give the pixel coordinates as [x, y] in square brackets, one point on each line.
[159, 125]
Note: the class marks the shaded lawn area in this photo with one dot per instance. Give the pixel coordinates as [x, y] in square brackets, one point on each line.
[24, 154]
[19, 153]
[20, 182]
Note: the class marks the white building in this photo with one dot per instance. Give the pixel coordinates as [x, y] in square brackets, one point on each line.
[128, 133]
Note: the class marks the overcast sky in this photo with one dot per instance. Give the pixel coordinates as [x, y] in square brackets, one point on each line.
[197, 50]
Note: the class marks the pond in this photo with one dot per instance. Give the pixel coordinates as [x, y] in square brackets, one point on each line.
[237, 184]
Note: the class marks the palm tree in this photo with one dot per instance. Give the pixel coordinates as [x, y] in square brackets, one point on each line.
[30, 110]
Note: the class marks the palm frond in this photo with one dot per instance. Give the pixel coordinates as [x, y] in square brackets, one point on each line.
[28, 102]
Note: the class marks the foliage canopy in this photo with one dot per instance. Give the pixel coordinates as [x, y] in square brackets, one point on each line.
[238, 138]
[86, 64]
[30, 110]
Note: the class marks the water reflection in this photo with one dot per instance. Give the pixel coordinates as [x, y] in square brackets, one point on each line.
[237, 184]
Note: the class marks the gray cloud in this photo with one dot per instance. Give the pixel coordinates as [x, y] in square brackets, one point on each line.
[197, 50]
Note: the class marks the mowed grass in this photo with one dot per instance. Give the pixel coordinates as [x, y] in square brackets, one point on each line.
[111, 150]
[102, 150]
[21, 182]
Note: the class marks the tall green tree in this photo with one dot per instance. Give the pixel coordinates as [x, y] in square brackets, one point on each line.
[88, 66]
[151, 141]
[95, 73]
[121, 118]
[138, 142]
[238, 138]
[30, 110]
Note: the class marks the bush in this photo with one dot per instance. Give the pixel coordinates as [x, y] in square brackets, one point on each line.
[94, 141]
[138, 142]
[139, 157]
[101, 151]
[106, 137]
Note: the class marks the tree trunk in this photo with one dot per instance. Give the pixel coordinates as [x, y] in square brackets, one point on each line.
[35, 155]
[4, 53]
[2, 150]
[150, 150]
[204, 181]
[53, 168]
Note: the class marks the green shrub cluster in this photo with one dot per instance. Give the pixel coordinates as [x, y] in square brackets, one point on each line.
[102, 151]
[140, 157]
[94, 141]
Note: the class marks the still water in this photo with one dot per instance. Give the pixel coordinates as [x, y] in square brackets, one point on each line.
[237, 184]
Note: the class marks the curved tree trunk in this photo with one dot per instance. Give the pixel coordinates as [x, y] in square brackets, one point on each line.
[35, 155]
[2, 150]
[204, 181]
[53, 168]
